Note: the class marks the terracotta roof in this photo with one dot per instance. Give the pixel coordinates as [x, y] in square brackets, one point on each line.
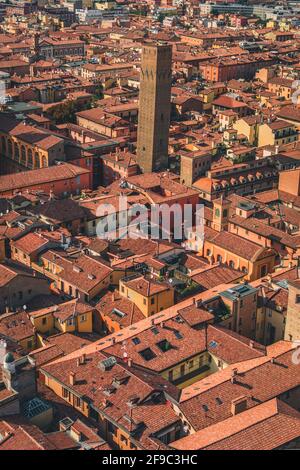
[111, 390]
[30, 437]
[216, 275]
[17, 181]
[240, 246]
[30, 243]
[258, 379]
[228, 102]
[145, 287]
[264, 427]
[119, 309]
[16, 326]
[84, 272]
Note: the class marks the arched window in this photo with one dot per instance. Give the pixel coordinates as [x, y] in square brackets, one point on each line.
[3, 145]
[30, 159]
[36, 160]
[44, 161]
[23, 155]
[10, 148]
[231, 264]
[17, 152]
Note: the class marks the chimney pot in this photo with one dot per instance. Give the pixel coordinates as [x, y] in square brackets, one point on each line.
[234, 373]
[72, 378]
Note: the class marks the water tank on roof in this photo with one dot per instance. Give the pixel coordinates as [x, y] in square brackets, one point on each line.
[9, 362]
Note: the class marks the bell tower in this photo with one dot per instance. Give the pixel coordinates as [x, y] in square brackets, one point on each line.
[221, 214]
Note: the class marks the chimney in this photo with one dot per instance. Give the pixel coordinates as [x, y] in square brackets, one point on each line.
[234, 373]
[129, 362]
[72, 378]
[78, 362]
[238, 405]
[251, 344]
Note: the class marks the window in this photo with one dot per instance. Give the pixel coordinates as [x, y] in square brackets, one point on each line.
[82, 318]
[65, 393]
[154, 330]
[30, 159]
[170, 375]
[164, 345]
[165, 439]
[136, 341]
[77, 402]
[264, 271]
[147, 354]
[152, 300]
[44, 321]
[297, 299]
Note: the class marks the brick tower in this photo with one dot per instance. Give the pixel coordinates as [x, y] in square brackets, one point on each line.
[154, 107]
